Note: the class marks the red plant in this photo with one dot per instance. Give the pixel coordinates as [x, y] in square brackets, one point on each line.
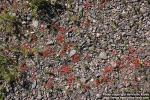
[105, 79]
[86, 5]
[120, 64]
[67, 47]
[49, 84]
[42, 28]
[23, 68]
[48, 52]
[70, 80]
[147, 63]
[97, 82]
[33, 77]
[65, 69]
[26, 46]
[114, 52]
[136, 62]
[61, 30]
[132, 50]
[75, 58]
[86, 87]
[108, 69]
[60, 38]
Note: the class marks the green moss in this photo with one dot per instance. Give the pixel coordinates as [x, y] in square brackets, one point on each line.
[6, 22]
[6, 74]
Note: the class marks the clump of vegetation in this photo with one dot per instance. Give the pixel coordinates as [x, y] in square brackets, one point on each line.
[45, 10]
[6, 22]
[8, 73]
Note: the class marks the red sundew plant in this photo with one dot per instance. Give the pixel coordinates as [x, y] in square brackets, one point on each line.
[75, 58]
[97, 82]
[132, 50]
[48, 52]
[66, 48]
[86, 5]
[33, 77]
[70, 80]
[26, 46]
[49, 84]
[146, 63]
[136, 62]
[122, 63]
[23, 68]
[85, 87]
[42, 28]
[65, 69]
[34, 38]
[73, 29]
[114, 52]
[87, 57]
[45, 53]
[105, 79]
[61, 30]
[108, 70]
[60, 38]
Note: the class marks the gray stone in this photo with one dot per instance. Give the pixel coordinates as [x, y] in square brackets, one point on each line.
[103, 55]
[72, 52]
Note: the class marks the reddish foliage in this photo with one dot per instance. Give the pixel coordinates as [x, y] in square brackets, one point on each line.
[86, 87]
[15, 5]
[70, 80]
[97, 82]
[34, 38]
[104, 1]
[33, 77]
[86, 5]
[114, 52]
[60, 38]
[75, 58]
[105, 79]
[120, 64]
[26, 46]
[108, 69]
[65, 69]
[49, 84]
[147, 63]
[67, 47]
[23, 68]
[61, 30]
[132, 50]
[136, 62]
[72, 29]
[48, 52]
[42, 28]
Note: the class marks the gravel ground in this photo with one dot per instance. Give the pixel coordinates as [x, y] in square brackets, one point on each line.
[97, 47]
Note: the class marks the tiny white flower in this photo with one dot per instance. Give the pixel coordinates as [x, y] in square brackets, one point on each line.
[92, 80]
[97, 95]
[23, 22]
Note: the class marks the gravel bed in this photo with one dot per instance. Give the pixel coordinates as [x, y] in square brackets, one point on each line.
[90, 48]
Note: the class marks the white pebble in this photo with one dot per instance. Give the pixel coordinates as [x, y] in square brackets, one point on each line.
[72, 52]
[103, 55]
[35, 23]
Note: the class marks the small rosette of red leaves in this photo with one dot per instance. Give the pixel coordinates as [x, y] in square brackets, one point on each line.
[48, 52]
[70, 80]
[49, 84]
[60, 38]
[23, 68]
[75, 58]
[65, 69]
